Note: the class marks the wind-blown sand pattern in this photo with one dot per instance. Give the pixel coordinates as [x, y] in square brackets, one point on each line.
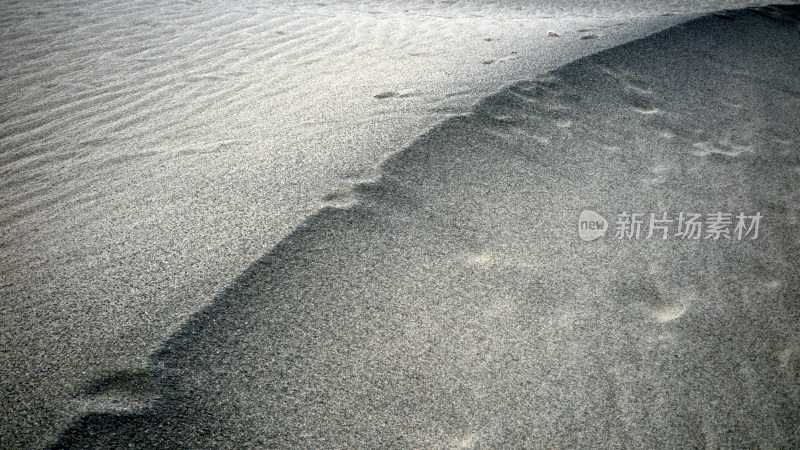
[441, 300]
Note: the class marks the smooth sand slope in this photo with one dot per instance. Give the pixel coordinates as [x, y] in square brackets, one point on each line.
[150, 151]
[452, 304]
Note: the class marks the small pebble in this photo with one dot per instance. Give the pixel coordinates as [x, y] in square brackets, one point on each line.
[553, 33]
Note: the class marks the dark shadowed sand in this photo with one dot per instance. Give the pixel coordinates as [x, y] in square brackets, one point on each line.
[450, 302]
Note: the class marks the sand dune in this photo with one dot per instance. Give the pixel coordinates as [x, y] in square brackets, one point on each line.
[151, 151]
[450, 302]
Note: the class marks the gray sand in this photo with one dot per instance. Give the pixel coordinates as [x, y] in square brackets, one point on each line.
[450, 303]
[150, 151]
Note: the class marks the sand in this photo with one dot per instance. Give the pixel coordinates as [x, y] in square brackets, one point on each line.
[293, 226]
